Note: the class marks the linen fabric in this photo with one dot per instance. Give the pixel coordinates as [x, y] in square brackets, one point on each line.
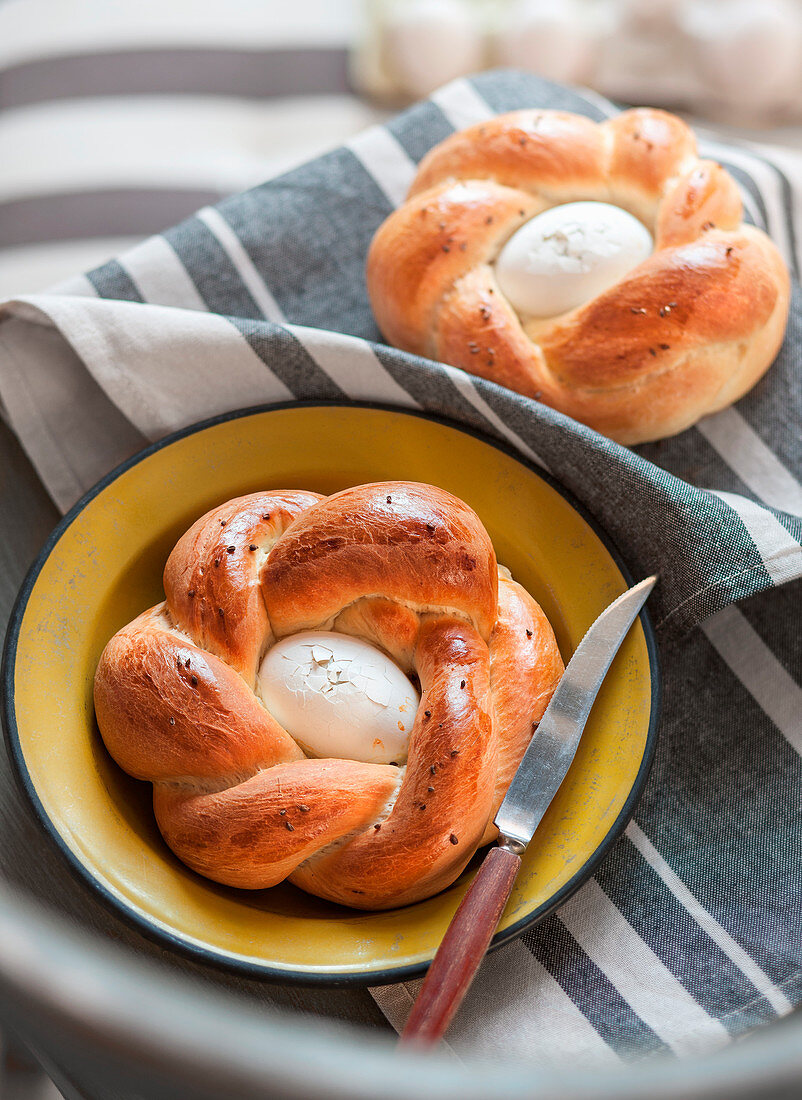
[690, 933]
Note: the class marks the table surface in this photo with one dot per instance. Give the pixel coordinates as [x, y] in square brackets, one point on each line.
[29, 860]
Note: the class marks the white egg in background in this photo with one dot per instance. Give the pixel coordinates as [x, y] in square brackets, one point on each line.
[557, 39]
[429, 42]
[339, 697]
[567, 255]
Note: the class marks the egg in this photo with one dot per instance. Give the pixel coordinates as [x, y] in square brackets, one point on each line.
[747, 56]
[558, 41]
[429, 42]
[339, 697]
[567, 255]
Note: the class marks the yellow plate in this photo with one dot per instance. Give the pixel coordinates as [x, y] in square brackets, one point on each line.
[103, 565]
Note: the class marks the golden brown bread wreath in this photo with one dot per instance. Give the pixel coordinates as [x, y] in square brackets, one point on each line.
[408, 568]
[682, 335]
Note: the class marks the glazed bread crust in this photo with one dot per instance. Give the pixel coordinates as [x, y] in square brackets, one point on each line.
[407, 567]
[682, 335]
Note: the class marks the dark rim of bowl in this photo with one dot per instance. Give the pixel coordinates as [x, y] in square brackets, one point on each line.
[247, 967]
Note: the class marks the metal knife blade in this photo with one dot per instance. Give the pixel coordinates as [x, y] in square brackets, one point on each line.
[553, 747]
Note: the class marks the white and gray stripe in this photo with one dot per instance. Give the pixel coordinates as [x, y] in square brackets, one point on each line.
[617, 986]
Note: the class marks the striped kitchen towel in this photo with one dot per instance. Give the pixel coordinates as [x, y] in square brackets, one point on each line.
[117, 120]
[690, 934]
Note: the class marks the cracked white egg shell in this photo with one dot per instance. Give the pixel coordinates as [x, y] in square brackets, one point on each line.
[567, 255]
[339, 697]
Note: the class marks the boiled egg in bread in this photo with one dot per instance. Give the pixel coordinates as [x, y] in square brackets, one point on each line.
[339, 697]
[567, 255]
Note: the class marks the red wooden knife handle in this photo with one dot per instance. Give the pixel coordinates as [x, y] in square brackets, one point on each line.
[463, 948]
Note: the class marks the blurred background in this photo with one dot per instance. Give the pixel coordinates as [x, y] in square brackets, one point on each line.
[118, 119]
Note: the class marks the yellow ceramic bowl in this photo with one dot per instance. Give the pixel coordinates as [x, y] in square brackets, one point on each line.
[103, 565]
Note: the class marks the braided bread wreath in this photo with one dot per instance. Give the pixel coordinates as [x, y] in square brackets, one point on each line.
[682, 334]
[406, 567]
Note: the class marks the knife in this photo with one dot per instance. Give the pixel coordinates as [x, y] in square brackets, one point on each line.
[537, 780]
